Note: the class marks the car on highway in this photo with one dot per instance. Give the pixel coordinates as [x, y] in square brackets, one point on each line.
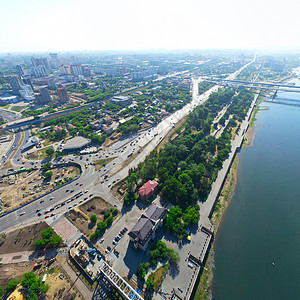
[51, 198]
[22, 213]
[47, 216]
[41, 201]
[38, 210]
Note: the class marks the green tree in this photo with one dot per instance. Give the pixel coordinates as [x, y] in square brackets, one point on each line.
[174, 257]
[28, 279]
[50, 151]
[141, 272]
[115, 212]
[48, 174]
[101, 225]
[47, 166]
[109, 220]
[47, 233]
[93, 219]
[54, 241]
[150, 283]
[12, 285]
[1, 291]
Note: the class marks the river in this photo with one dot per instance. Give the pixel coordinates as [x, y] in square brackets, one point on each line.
[262, 222]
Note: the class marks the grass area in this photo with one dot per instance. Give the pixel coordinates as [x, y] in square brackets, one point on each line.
[101, 162]
[158, 276]
[7, 106]
[39, 154]
[204, 281]
[18, 108]
[171, 133]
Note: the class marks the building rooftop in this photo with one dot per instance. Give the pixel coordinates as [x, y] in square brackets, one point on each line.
[76, 143]
[149, 186]
[32, 142]
[140, 232]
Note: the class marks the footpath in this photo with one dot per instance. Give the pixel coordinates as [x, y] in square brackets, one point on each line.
[179, 284]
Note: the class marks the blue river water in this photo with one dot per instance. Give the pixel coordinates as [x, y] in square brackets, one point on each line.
[262, 223]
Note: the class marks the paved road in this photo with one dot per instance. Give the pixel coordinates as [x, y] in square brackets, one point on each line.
[99, 183]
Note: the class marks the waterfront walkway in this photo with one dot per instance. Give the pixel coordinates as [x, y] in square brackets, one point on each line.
[181, 282]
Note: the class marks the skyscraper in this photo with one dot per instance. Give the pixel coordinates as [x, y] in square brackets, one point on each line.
[43, 97]
[15, 82]
[41, 61]
[62, 94]
[20, 70]
[76, 70]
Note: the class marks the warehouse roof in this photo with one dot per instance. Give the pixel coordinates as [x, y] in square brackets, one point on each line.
[76, 142]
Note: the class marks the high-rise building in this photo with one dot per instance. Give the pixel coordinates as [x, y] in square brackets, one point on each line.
[41, 61]
[27, 92]
[43, 97]
[76, 70]
[62, 94]
[87, 72]
[53, 56]
[40, 71]
[54, 60]
[20, 70]
[27, 80]
[64, 70]
[15, 82]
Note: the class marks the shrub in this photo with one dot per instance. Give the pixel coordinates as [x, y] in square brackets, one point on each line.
[93, 219]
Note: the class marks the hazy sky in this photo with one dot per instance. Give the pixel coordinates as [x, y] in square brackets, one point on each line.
[57, 25]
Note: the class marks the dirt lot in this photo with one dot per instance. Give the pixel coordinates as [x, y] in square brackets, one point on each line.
[21, 239]
[59, 286]
[81, 216]
[23, 187]
[10, 271]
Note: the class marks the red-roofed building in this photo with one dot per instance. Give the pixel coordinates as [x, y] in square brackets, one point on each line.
[148, 189]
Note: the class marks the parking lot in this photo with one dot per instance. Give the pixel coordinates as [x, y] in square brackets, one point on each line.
[123, 257]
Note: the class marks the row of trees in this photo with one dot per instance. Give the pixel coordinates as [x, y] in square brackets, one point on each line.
[186, 166]
[108, 218]
[49, 239]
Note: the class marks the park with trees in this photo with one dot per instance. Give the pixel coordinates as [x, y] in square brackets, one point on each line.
[188, 164]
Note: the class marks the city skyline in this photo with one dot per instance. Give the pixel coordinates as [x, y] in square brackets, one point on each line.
[70, 25]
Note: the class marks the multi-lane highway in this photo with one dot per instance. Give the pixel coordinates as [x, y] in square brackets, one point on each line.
[100, 182]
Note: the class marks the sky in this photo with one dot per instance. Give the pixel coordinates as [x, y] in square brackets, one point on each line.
[68, 25]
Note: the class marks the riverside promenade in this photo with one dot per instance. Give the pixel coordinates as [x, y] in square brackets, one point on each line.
[179, 283]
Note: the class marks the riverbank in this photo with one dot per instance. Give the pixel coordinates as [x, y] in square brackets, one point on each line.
[205, 281]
